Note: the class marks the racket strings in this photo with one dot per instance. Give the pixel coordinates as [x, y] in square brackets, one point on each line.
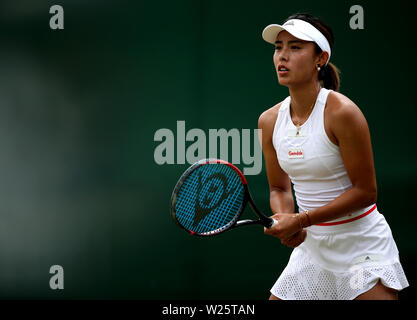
[191, 191]
[232, 204]
[219, 219]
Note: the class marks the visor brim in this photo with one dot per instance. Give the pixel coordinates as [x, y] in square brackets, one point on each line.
[271, 32]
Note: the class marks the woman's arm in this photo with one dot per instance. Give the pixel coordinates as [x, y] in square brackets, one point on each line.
[349, 127]
[281, 199]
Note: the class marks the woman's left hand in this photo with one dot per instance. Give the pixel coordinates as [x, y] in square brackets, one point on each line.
[296, 239]
[288, 224]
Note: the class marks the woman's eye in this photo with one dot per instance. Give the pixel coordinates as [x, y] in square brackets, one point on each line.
[295, 47]
[277, 48]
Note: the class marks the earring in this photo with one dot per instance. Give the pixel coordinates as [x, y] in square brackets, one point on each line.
[318, 67]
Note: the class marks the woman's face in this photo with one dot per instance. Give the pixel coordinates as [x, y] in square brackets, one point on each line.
[295, 60]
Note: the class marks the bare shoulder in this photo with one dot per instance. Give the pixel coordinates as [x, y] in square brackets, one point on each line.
[344, 116]
[342, 110]
[268, 118]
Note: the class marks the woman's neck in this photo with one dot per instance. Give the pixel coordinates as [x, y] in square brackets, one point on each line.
[303, 97]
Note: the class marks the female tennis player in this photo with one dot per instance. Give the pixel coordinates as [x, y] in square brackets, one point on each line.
[318, 140]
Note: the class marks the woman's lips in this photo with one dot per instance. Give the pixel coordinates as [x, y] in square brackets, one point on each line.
[283, 70]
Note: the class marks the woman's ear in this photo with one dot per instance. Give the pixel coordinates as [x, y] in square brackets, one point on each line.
[324, 55]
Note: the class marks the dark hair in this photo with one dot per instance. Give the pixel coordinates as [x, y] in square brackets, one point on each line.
[329, 74]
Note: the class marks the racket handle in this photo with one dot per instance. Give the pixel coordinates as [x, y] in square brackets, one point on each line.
[274, 223]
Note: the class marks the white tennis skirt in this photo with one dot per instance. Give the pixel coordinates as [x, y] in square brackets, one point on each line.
[340, 262]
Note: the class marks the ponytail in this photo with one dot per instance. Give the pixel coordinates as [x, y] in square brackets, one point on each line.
[329, 77]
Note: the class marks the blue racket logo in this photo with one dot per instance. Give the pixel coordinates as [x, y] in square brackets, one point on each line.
[210, 195]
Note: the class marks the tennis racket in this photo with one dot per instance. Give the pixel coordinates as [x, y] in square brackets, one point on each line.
[209, 198]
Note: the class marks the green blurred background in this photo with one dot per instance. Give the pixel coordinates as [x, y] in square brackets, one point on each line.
[79, 108]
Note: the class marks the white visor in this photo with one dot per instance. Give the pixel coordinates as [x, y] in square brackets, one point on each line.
[299, 29]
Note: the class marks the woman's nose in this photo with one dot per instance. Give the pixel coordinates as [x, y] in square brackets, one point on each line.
[283, 55]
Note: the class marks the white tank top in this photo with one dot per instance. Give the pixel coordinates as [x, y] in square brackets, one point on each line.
[310, 159]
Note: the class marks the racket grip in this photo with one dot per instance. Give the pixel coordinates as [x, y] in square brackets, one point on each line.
[274, 223]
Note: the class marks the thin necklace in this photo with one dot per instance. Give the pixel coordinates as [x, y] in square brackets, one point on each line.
[298, 126]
